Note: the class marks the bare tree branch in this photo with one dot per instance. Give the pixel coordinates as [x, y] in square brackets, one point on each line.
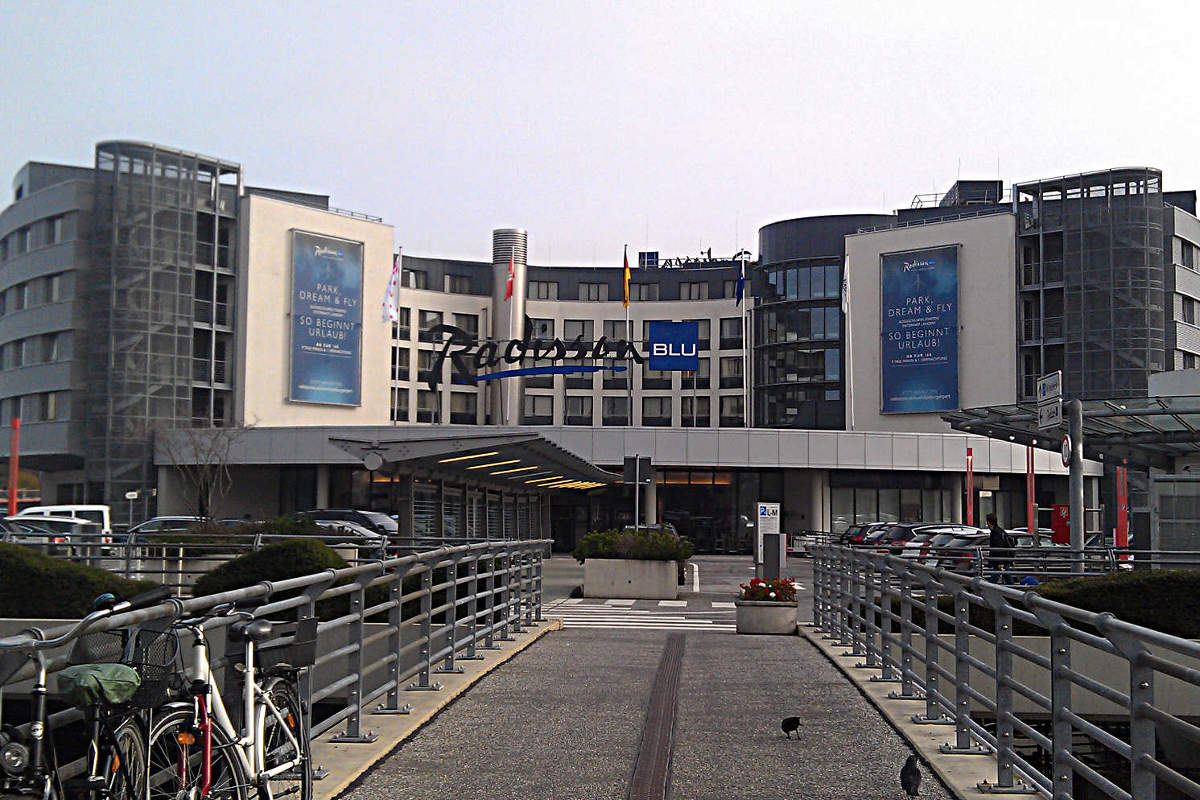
[201, 456]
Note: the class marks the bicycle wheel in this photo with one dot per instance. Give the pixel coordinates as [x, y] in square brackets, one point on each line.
[125, 763]
[174, 756]
[285, 738]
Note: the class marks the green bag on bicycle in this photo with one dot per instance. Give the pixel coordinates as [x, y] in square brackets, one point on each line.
[95, 684]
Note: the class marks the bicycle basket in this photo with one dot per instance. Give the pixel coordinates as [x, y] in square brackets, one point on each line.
[103, 647]
[298, 648]
[155, 655]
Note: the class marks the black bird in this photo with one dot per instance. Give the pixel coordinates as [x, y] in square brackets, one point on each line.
[789, 725]
[910, 776]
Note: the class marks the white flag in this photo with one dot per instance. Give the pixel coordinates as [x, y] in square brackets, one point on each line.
[391, 313]
[846, 287]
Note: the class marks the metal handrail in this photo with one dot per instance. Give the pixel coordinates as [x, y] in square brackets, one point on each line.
[866, 600]
[491, 590]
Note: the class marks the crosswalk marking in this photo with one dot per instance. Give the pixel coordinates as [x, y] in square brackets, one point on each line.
[619, 602]
[572, 601]
[722, 604]
[663, 616]
[673, 603]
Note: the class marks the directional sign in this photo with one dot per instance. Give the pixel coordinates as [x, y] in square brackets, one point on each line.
[1050, 414]
[1049, 386]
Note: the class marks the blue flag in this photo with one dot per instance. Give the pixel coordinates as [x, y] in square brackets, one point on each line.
[741, 284]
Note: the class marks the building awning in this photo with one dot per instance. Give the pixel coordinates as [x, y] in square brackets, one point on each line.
[518, 460]
[1140, 431]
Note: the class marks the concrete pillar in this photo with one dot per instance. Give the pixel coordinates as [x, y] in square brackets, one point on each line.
[652, 498]
[508, 318]
[322, 486]
[818, 513]
[955, 512]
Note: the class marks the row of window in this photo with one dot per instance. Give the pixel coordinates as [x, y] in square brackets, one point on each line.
[800, 324]
[31, 293]
[578, 409]
[803, 283]
[42, 233]
[591, 292]
[44, 349]
[800, 365]
[40, 407]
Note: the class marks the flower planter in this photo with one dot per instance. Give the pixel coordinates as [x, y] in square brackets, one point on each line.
[630, 579]
[766, 617]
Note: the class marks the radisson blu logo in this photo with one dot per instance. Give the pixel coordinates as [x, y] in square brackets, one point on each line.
[326, 252]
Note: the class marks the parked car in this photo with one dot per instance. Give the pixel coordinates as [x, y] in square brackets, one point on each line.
[370, 544]
[55, 535]
[1023, 538]
[99, 514]
[138, 533]
[898, 536]
[857, 534]
[371, 520]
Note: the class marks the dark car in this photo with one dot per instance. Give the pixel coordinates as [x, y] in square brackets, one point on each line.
[859, 534]
[898, 536]
[371, 520]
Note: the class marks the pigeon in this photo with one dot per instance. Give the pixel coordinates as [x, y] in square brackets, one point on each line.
[790, 724]
[910, 776]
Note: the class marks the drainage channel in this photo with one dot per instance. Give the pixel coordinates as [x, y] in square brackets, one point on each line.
[652, 769]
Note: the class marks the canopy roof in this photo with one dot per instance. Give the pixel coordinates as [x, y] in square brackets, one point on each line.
[1149, 431]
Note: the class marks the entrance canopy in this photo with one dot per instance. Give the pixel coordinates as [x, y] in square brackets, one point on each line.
[1141, 431]
[519, 460]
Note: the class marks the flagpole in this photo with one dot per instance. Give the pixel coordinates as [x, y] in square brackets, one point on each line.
[628, 337]
[512, 332]
[745, 348]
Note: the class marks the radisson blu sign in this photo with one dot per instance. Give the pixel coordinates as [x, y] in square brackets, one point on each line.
[919, 331]
[675, 346]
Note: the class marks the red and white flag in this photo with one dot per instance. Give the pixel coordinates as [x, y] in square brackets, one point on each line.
[391, 312]
[512, 273]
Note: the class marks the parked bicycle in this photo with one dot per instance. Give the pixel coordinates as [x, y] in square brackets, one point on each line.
[194, 748]
[115, 763]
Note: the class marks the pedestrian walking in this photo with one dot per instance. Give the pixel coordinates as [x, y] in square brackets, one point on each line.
[1000, 550]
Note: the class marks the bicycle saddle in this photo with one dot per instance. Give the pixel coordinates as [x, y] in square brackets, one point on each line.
[253, 630]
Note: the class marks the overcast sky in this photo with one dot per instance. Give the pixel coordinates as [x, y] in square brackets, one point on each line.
[672, 126]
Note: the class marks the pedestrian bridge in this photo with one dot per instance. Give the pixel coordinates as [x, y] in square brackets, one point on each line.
[589, 698]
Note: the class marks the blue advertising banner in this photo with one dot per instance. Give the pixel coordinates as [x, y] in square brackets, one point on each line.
[327, 276]
[674, 346]
[919, 331]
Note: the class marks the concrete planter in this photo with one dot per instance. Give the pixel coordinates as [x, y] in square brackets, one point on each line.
[766, 617]
[623, 578]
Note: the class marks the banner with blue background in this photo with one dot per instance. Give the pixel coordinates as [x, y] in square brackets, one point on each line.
[327, 276]
[674, 346]
[919, 331]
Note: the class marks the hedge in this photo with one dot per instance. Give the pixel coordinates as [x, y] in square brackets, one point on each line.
[1164, 600]
[37, 586]
[642, 544]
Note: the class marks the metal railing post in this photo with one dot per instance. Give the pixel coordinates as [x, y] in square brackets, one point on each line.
[1002, 614]
[489, 638]
[962, 676]
[539, 563]
[1063, 777]
[845, 600]
[1143, 784]
[885, 623]
[395, 640]
[512, 580]
[451, 617]
[858, 606]
[505, 593]
[868, 606]
[907, 689]
[527, 584]
[353, 732]
[473, 608]
[423, 683]
[933, 712]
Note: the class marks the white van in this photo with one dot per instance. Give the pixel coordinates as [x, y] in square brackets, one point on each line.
[101, 515]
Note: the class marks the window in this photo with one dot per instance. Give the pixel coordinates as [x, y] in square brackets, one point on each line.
[543, 328]
[53, 347]
[1187, 254]
[704, 332]
[833, 318]
[50, 409]
[464, 408]
[693, 291]
[731, 372]
[53, 288]
[575, 328]
[643, 291]
[656, 411]
[425, 359]
[24, 241]
[468, 322]
[729, 290]
[616, 411]
[1189, 310]
[4, 249]
[655, 378]
[426, 406]
[733, 411]
[458, 284]
[832, 364]
[18, 297]
[615, 329]
[700, 418]
[539, 409]
[1189, 360]
[55, 229]
[700, 378]
[399, 404]
[429, 320]
[579, 410]
[402, 328]
[543, 290]
[414, 278]
[593, 292]
[731, 333]
[400, 365]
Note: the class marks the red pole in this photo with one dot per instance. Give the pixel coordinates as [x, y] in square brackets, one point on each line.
[14, 444]
[970, 487]
[1122, 535]
[1030, 504]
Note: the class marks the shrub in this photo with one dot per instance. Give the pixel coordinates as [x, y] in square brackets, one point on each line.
[35, 585]
[291, 558]
[642, 544]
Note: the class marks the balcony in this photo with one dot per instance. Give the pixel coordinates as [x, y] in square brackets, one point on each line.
[201, 374]
[202, 312]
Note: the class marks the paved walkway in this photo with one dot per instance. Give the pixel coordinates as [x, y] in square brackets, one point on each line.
[565, 718]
